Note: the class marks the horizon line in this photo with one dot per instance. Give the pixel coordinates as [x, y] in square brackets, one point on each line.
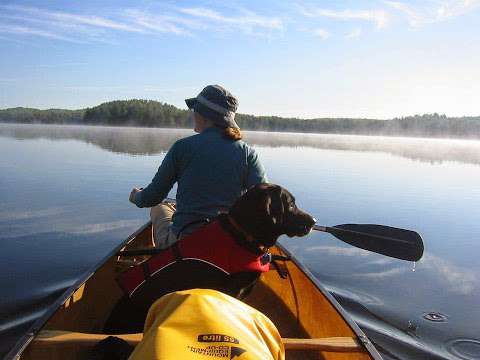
[256, 115]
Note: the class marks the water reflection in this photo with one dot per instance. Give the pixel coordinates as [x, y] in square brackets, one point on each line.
[148, 141]
[134, 141]
[450, 277]
[64, 207]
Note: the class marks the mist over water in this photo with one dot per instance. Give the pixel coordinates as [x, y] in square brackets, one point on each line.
[64, 207]
[148, 141]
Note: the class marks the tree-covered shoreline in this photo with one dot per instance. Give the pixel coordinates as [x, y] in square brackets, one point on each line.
[149, 113]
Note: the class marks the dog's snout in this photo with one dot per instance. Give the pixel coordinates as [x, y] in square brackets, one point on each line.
[303, 223]
[307, 219]
[310, 221]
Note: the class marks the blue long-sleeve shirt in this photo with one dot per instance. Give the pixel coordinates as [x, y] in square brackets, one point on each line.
[211, 172]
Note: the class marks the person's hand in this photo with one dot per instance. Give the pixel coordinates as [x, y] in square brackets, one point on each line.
[133, 193]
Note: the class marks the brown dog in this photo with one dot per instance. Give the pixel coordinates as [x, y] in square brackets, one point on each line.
[265, 212]
[229, 258]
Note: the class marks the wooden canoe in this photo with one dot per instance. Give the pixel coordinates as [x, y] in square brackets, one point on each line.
[311, 322]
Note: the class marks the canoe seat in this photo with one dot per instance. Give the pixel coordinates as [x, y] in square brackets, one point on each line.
[52, 338]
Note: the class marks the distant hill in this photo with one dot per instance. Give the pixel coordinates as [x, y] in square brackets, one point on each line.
[33, 116]
[151, 113]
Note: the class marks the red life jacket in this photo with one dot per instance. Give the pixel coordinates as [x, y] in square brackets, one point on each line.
[210, 244]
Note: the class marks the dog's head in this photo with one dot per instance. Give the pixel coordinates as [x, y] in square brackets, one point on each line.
[267, 211]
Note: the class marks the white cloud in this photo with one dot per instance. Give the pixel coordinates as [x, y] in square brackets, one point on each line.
[382, 274]
[102, 227]
[457, 279]
[454, 8]
[69, 26]
[25, 30]
[378, 17]
[94, 21]
[74, 31]
[30, 214]
[355, 33]
[163, 24]
[434, 12]
[68, 18]
[337, 250]
[454, 278]
[248, 19]
[321, 33]
[415, 17]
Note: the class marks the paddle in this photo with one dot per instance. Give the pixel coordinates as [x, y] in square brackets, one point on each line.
[385, 240]
[394, 242]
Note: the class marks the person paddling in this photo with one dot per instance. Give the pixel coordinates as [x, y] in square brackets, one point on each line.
[212, 169]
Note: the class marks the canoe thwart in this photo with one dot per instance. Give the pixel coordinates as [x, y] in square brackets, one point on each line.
[331, 344]
[55, 337]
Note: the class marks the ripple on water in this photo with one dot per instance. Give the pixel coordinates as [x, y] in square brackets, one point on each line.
[435, 316]
[467, 349]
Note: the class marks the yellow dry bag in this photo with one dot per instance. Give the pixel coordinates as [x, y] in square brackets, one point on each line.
[207, 324]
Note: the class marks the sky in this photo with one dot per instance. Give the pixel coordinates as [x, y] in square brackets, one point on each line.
[374, 59]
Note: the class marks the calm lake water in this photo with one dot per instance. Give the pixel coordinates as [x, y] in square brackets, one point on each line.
[64, 206]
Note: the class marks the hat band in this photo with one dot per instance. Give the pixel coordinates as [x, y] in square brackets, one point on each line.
[215, 107]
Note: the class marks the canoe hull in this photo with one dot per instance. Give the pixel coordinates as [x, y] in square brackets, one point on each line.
[298, 305]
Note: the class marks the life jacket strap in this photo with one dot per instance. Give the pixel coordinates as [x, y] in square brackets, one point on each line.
[187, 225]
[176, 252]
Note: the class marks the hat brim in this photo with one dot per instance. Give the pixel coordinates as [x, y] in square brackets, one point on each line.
[191, 102]
[212, 115]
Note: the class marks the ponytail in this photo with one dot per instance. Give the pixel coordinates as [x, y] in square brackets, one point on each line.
[232, 133]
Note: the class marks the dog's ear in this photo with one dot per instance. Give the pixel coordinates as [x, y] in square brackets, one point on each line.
[275, 205]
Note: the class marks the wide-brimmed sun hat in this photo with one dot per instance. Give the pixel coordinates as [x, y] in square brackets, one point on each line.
[216, 104]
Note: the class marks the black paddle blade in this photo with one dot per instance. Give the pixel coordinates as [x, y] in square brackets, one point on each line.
[394, 242]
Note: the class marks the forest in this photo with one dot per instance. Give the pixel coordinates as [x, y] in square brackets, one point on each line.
[150, 113]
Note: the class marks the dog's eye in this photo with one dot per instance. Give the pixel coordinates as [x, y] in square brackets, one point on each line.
[291, 206]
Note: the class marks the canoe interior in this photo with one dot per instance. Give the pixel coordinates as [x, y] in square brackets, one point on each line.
[295, 304]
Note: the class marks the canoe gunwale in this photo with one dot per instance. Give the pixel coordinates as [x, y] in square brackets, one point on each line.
[25, 340]
[353, 325]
